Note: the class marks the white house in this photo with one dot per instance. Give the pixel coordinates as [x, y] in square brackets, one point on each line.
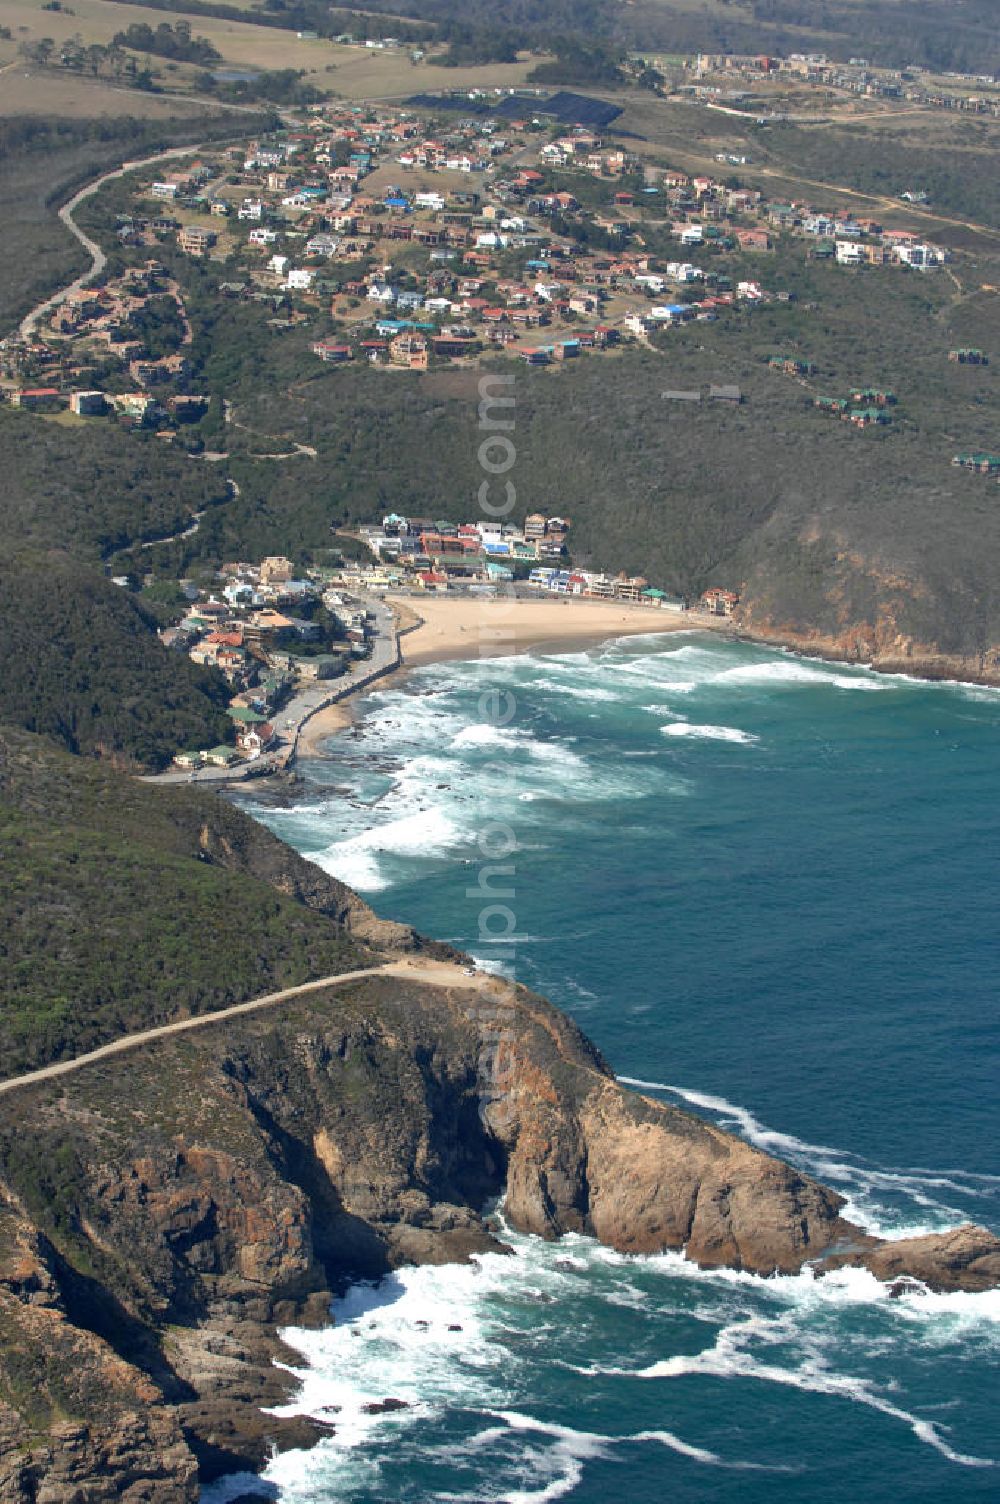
[300, 279]
[922, 257]
[251, 208]
[278, 264]
[322, 245]
[850, 253]
[683, 271]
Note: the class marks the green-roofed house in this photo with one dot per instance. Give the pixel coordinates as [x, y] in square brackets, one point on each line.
[872, 396]
[983, 464]
[866, 417]
[221, 757]
[244, 716]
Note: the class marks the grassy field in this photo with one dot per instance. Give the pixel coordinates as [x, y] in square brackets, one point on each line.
[353, 72]
[27, 90]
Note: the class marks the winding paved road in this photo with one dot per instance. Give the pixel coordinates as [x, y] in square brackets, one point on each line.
[428, 973]
[97, 257]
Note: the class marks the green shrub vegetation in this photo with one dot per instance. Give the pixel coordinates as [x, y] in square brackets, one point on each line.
[82, 663]
[93, 489]
[125, 905]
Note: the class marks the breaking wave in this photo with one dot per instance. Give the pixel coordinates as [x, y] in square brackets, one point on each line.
[707, 733]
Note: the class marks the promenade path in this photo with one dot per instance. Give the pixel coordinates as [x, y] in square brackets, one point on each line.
[427, 973]
[304, 704]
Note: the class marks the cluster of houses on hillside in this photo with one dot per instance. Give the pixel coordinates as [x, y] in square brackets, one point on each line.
[95, 334]
[859, 76]
[270, 634]
[865, 407]
[399, 241]
[425, 555]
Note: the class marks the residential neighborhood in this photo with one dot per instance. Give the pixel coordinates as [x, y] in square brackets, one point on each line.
[417, 239]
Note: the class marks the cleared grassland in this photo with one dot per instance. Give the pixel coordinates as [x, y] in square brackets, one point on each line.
[27, 90]
[354, 72]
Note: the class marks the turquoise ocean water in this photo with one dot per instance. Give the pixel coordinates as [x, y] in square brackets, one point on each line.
[767, 889]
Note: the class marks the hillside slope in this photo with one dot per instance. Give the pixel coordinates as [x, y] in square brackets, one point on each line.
[126, 905]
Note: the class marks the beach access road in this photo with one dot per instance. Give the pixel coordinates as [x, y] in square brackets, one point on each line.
[304, 704]
[413, 969]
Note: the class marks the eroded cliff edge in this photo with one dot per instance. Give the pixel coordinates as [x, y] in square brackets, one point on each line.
[170, 1209]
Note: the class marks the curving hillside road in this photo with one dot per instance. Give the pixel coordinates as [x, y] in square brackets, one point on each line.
[427, 973]
[97, 257]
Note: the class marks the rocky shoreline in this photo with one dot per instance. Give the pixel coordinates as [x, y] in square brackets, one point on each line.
[258, 1168]
[879, 648]
[174, 1207]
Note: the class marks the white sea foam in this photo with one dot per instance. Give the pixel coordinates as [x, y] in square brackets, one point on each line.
[355, 860]
[468, 1339]
[507, 739]
[553, 684]
[707, 733]
[685, 670]
[794, 671]
[730, 1358]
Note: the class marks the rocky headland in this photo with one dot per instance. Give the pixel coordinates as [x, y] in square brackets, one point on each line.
[171, 1209]
[166, 1210]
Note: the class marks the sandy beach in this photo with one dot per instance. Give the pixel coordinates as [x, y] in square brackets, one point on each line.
[437, 629]
[455, 627]
[322, 724]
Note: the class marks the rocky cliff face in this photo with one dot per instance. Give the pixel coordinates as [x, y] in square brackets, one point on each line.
[171, 1209]
[897, 605]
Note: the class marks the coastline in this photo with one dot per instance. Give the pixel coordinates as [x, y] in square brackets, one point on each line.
[443, 630]
[449, 629]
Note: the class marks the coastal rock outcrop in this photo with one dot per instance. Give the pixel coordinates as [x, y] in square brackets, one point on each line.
[898, 615]
[173, 1208]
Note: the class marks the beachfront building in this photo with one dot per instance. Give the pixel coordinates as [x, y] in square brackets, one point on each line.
[720, 602]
